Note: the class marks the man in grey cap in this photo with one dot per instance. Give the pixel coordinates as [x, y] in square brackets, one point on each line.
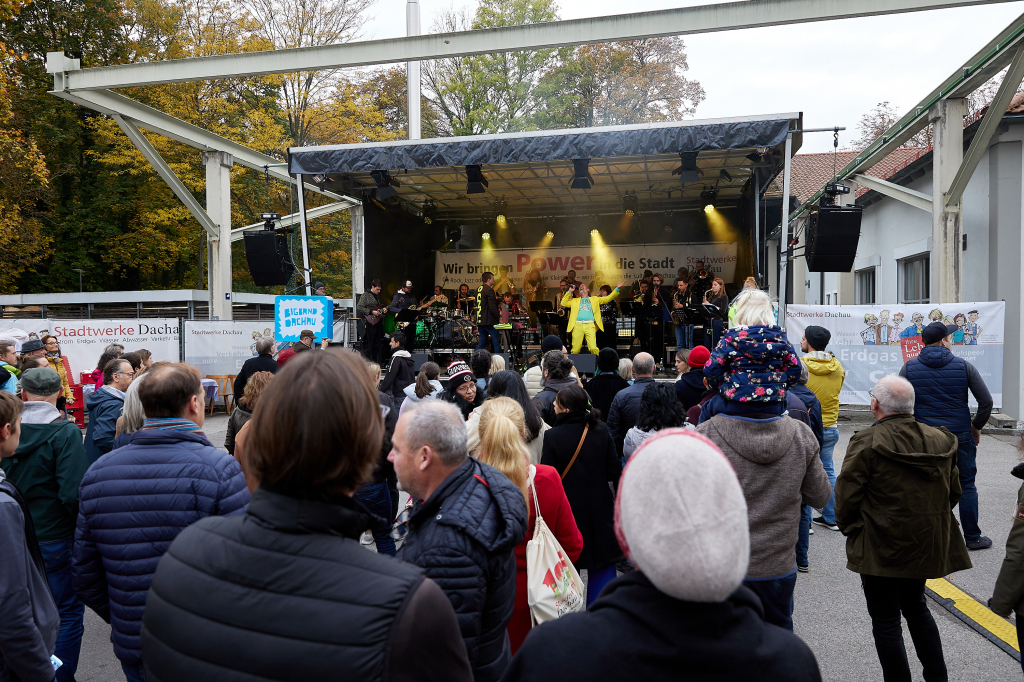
[32, 347]
[941, 381]
[47, 468]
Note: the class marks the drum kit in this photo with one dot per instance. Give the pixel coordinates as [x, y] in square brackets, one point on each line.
[448, 328]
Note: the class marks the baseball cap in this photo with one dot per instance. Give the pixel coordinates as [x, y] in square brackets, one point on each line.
[40, 381]
[937, 331]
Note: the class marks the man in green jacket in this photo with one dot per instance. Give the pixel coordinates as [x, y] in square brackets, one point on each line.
[47, 468]
[1008, 596]
[894, 502]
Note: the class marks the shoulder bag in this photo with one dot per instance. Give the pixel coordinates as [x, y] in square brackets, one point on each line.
[553, 587]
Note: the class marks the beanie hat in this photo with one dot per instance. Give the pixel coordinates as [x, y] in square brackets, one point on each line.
[284, 356]
[551, 342]
[698, 357]
[608, 360]
[817, 337]
[681, 518]
[41, 381]
[459, 373]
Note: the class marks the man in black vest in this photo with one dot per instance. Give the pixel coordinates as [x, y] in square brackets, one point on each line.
[941, 381]
[487, 313]
[371, 307]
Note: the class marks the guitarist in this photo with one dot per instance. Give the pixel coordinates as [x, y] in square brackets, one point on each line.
[372, 311]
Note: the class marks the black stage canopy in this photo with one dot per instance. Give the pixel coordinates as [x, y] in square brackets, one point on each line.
[531, 172]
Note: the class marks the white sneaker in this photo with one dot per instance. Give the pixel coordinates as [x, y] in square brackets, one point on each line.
[811, 532]
[366, 539]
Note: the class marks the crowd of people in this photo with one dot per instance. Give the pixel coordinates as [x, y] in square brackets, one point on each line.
[684, 509]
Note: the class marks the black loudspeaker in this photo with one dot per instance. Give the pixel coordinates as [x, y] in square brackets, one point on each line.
[418, 360]
[832, 237]
[585, 363]
[267, 255]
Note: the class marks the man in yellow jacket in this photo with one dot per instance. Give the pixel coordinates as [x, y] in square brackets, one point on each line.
[585, 316]
[826, 376]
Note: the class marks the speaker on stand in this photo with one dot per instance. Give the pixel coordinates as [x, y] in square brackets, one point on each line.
[266, 252]
[833, 233]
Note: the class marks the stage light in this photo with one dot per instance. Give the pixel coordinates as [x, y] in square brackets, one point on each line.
[630, 205]
[453, 233]
[429, 212]
[550, 234]
[500, 206]
[594, 233]
[476, 183]
[754, 157]
[581, 177]
[707, 199]
[486, 235]
[687, 172]
[384, 183]
[724, 174]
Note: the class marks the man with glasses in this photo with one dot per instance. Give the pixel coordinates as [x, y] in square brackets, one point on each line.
[105, 407]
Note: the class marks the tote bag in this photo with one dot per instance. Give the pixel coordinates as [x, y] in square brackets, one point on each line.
[553, 587]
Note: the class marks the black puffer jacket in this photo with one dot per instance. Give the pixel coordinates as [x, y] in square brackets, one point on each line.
[464, 537]
[636, 632]
[285, 592]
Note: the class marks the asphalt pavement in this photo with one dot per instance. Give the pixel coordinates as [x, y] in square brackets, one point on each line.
[830, 613]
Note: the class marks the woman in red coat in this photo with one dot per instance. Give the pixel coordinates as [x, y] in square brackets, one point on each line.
[502, 445]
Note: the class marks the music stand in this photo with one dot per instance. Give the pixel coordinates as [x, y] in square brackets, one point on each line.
[541, 306]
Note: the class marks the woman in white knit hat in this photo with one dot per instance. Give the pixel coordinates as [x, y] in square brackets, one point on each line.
[683, 614]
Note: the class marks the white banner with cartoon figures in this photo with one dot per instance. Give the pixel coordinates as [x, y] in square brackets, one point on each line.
[82, 341]
[613, 262]
[874, 340]
[221, 347]
[20, 331]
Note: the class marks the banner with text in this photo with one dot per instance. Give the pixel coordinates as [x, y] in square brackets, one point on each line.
[83, 341]
[615, 262]
[874, 340]
[221, 347]
[293, 314]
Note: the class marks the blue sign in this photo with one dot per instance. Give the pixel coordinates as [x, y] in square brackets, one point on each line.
[292, 314]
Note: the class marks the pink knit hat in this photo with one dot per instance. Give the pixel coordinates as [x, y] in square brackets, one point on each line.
[681, 518]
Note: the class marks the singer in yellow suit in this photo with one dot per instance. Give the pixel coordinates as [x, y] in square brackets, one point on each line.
[585, 316]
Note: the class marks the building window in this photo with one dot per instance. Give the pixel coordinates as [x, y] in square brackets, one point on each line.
[866, 287]
[916, 283]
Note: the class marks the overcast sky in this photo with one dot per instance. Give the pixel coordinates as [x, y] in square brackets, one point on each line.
[831, 71]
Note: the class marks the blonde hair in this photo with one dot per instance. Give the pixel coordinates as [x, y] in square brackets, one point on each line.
[254, 388]
[374, 370]
[626, 369]
[497, 363]
[754, 307]
[502, 440]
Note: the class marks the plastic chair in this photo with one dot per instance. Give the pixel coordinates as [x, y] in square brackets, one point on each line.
[225, 387]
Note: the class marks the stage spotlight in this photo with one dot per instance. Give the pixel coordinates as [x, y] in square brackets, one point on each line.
[384, 183]
[550, 234]
[630, 204]
[581, 177]
[500, 207]
[594, 233]
[687, 172]
[476, 183]
[453, 233]
[429, 212]
[707, 199]
[485, 235]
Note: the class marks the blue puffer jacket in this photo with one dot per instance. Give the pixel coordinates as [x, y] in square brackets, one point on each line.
[464, 537]
[753, 364]
[132, 503]
[104, 409]
[940, 389]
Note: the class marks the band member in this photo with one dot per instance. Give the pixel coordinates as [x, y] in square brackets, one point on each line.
[436, 300]
[510, 308]
[700, 281]
[403, 298]
[534, 287]
[649, 324]
[609, 336]
[680, 301]
[718, 298]
[504, 283]
[570, 277]
[595, 282]
[585, 316]
[372, 310]
[465, 303]
[487, 313]
[563, 311]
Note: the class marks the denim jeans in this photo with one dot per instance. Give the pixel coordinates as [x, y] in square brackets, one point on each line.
[776, 595]
[803, 540]
[57, 559]
[887, 598]
[377, 498]
[966, 462]
[684, 336]
[133, 672]
[831, 438]
[489, 330]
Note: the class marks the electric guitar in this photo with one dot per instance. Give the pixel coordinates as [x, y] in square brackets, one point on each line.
[375, 315]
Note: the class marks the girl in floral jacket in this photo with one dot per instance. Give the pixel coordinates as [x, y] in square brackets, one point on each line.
[754, 364]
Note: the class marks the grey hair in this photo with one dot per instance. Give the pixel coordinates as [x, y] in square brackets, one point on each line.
[114, 346]
[132, 413]
[805, 373]
[754, 306]
[895, 395]
[626, 369]
[264, 346]
[440, 425]
[643, 365]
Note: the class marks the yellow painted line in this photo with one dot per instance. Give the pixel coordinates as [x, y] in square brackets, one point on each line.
[976, 611]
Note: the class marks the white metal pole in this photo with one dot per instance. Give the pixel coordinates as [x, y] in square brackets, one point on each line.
[218, 207]
[784, 238]
[306, 274]
[412, 70]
